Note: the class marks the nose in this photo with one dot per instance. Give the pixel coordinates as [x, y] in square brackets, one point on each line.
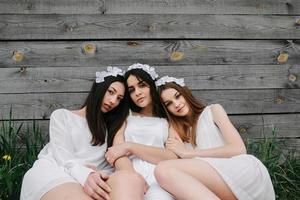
[137, 92]
[113, 100]
[176, 104]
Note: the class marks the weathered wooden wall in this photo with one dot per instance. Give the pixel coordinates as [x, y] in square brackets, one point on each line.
[242, 54]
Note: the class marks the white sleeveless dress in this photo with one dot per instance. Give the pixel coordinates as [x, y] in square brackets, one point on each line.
[151, 131]
[245, 175]
[65, 157]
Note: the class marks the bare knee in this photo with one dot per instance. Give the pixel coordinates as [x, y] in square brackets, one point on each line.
[163, 171]
[126, 177]
[127, 184]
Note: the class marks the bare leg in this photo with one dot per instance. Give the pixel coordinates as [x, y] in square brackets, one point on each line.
[66, 191]
[126, 185]
[198, 176]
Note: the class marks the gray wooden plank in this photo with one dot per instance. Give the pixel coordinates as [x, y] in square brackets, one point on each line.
[79, 79]
[52, 6]
[256, 126]
[202, 7]
[40, 105]
[51, 27]
[149, 7]
[154, 52]
[259, 126]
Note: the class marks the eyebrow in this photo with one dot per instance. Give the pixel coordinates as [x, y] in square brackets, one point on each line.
[113, 89]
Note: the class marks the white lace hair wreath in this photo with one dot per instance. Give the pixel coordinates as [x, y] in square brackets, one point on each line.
[110, 71]
[146, 68]
[168, 79]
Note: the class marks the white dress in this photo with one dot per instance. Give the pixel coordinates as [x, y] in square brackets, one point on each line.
[151, 131]
[65, 157]
[245, 175]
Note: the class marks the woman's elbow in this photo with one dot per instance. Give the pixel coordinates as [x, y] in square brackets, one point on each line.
[242, 150]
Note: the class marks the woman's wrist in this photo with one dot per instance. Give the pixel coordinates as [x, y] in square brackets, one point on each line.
[129, 148]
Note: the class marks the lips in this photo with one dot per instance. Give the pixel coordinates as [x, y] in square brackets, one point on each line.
[107, 107]
[140, 100]
[180, 109]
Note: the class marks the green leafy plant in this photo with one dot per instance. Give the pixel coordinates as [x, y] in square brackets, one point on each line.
[19, 149]
[282, 163]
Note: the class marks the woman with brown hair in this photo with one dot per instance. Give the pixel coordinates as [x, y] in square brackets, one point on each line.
[214, 162]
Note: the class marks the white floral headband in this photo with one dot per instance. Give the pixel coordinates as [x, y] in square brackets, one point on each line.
[146, 68]
[110, 71]
[167, 79]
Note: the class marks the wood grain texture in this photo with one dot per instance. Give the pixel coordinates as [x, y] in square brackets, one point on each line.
[52, 6]
[205, 77]
[154, 52]
[149, 7]
[202, 7]
[39, 106]
[169, 26]
[256, 126]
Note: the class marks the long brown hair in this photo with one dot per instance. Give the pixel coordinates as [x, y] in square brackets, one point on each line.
[182, 125]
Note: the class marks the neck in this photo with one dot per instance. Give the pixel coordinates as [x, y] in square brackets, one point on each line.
[147, 111]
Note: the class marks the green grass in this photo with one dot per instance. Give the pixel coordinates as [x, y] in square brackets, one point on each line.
[22, 144]
[282, 163]
[19, 147]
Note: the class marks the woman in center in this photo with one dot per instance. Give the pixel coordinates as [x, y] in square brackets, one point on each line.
[145, 132]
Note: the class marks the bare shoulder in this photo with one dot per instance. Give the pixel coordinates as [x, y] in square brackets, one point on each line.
[218, 112]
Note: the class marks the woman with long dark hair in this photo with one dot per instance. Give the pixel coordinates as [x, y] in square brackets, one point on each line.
[79, 139]
[145, 132]
[214, 162]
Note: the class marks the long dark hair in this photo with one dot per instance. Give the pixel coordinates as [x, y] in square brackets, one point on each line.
[104, 125]
[141, 75]
[182, 124]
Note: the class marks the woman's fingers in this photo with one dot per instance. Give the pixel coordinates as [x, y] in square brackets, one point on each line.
[102, 184]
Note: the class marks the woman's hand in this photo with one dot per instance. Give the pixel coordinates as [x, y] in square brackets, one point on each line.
[117, 151]
[177, 146]
[96, 187]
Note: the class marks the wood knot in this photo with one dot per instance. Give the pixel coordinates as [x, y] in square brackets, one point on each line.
[18, 56]
[292, 77]
[280, 100]
[242, 130]
[89, 48]
[132, 43]
[282, 58]
[23, 70]
[297, 22]
[176, 56]
[152, 27]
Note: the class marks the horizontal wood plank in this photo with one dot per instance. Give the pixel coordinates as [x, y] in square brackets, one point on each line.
[155, 52]
[202, 7]
[40, 106]
[149, 7]
[249, 126]
[52, 6]
[52, 27]
[79, 79]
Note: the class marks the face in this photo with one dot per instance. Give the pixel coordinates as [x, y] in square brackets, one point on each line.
[139, 91]
[175, 102]
[113, 96]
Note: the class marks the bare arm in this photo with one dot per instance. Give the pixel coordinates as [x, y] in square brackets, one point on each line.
[122, 163]
[148, 153]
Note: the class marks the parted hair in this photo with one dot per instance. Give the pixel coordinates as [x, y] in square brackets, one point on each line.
[185, 126]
